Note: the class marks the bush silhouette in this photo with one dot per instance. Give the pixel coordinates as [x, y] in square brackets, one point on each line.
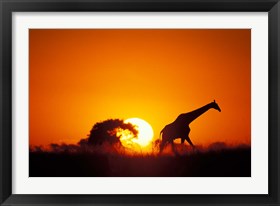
[106, 132]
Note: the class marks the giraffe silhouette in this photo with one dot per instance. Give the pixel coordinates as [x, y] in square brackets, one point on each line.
[180, 127]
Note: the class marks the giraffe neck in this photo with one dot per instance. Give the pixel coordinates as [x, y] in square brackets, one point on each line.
[191, 116]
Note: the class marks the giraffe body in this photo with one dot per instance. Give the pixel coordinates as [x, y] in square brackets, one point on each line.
[180, 127]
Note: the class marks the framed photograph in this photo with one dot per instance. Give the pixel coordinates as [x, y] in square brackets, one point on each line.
[134, 102]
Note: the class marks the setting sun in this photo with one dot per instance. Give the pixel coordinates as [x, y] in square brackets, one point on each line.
[145, 131]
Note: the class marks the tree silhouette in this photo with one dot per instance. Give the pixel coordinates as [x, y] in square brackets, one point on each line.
[106, 131]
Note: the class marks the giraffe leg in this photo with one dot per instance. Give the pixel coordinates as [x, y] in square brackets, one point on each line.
[190, 142]
[174, 148]
[163, 143]
[182, 140]
[161, 146]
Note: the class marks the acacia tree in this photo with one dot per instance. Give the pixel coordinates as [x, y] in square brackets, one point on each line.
[106, 131]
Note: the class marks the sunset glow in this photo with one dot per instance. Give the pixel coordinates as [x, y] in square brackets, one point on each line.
[78, 77]
[188, 91]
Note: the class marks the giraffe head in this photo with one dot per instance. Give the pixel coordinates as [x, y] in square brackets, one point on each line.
[214, 105]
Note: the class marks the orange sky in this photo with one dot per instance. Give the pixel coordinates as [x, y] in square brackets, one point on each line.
[80, 77]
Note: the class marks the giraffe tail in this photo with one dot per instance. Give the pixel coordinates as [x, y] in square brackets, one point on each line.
[160, 133]
[161, 143]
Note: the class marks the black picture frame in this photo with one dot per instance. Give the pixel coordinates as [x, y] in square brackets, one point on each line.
[7, 7]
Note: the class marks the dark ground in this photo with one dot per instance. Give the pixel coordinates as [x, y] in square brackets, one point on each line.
[224, 163]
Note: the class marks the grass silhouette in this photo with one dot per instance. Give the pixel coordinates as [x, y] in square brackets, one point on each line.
[213, 162]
